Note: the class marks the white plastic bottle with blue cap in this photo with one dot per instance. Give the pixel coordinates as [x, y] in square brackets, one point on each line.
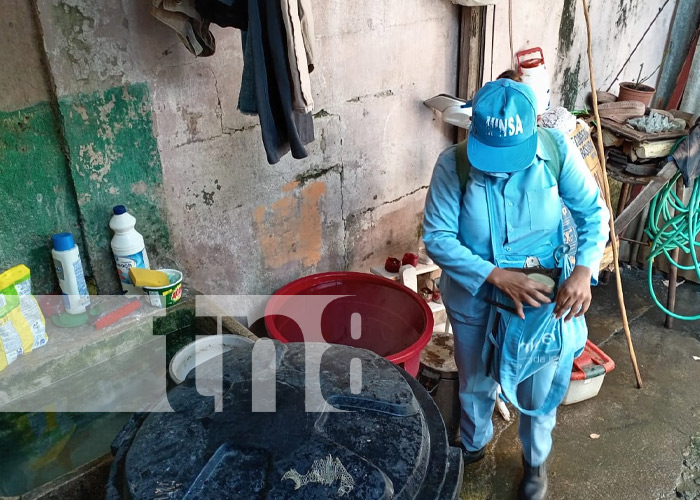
[69, 270]
[127, 246]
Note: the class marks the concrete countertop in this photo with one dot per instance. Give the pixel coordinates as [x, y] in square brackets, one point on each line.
[78, 361]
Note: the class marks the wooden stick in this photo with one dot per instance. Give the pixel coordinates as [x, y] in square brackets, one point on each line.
[613, 237]
[672, 285]
[636, 242]
[622, 202]
[673, 273]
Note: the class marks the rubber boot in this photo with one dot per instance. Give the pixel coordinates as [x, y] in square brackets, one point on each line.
[470, 457]
[534, 483]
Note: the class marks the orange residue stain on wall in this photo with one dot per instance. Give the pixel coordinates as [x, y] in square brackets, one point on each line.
[290, 229]
[289, 186]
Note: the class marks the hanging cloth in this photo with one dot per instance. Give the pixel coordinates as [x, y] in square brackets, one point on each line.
[225, 13]
[298, 25]
[282, 129]
[687, 156]
[191, 28]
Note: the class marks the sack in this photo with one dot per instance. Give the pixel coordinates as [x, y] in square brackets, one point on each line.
[22, 324]
[519, 348]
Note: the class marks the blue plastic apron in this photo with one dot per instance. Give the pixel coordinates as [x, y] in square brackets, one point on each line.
[517, 348]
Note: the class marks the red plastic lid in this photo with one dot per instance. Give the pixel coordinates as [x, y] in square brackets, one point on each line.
[396, 322]
[532, 63]
[591, 363]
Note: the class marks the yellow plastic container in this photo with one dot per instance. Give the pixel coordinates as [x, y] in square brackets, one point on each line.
[168, 295]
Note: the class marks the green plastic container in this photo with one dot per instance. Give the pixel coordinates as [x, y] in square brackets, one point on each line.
[167, 295]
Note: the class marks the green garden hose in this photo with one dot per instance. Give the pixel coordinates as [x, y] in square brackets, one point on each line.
[673, 224]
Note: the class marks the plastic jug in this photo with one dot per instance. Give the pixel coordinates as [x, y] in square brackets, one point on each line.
[534, 73]
[69, 270]
[127, 246]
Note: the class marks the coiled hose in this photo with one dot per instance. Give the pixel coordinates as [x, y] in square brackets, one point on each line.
[673, 224]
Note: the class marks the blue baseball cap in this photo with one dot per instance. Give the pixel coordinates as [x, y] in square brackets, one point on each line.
[503, 133]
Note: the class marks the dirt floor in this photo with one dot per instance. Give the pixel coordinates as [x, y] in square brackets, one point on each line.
[649, 444]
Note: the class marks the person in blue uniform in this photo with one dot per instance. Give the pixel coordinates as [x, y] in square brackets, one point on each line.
[509, 213]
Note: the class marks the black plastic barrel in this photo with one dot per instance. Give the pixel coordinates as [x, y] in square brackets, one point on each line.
[388, 440]
[438, 374]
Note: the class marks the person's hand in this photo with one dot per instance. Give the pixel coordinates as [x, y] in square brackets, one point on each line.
[574, 295]
[520, 288]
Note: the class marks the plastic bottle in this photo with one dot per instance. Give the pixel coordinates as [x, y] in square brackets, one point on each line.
[69, 270]
[534, 73]
[127, 246]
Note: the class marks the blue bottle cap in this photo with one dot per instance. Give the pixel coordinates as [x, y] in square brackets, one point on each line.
[62, 241]
[119, 209]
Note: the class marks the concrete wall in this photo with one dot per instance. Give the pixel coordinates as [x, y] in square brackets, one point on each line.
[23, 79]
[237, 224]
[559, 28]
[245, 226]
[145, 123]
[36, 192]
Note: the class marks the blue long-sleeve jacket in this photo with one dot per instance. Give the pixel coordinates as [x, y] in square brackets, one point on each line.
[527, 203]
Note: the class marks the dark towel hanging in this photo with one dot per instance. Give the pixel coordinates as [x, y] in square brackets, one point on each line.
[266, 88]
[225, 13]
[272, 82]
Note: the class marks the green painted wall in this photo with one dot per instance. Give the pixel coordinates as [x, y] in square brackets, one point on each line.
[111, 157]
[36, 193]
[114, 160]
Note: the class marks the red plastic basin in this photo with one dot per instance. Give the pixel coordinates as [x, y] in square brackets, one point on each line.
[374, 313]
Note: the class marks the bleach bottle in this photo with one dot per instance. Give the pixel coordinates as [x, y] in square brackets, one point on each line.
[69, 271]
[127, 246]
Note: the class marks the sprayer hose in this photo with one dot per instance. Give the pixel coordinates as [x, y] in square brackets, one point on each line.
[673, 224]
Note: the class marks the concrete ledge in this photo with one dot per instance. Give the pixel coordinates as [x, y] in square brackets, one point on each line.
[102, 365]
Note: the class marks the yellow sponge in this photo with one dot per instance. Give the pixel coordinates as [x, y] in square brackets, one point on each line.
[147, 277]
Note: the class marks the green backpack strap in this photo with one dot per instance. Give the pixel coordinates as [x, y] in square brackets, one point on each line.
[463, 165]
[548, 143]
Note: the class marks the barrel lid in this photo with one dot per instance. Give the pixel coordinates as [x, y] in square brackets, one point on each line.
[439, 354]
[379, 439]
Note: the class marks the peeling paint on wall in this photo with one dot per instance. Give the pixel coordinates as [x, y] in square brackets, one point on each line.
[79, 40]
[36, 193]
[290, 230]
[114, 159]
[391, 230]
[569, 85]
[315, 173]
[566, 27]
[623, 9]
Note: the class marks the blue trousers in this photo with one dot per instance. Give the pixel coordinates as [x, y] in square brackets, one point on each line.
[477, 394]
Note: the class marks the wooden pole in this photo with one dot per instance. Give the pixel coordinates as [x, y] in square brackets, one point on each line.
[471, 49]
[673, 273]
[622, 202]
[613, 237]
